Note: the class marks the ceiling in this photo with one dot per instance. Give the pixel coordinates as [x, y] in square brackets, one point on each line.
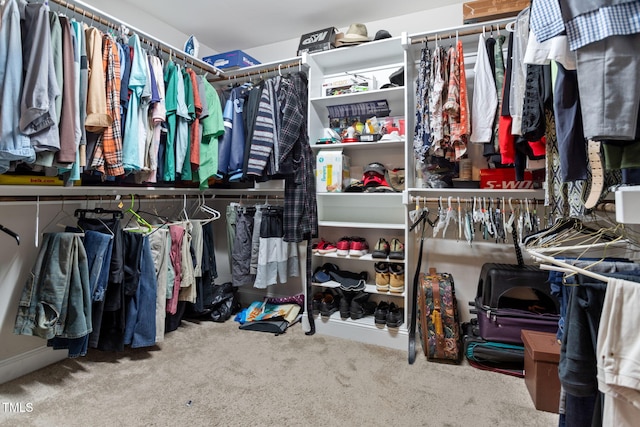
[245, 24]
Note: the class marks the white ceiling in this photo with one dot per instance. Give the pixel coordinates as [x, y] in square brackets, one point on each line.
[245, 24]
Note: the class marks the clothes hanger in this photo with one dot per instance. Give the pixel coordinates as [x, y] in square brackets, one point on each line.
[57, 218]
[566, 266]
[11, 233]
[139, 220]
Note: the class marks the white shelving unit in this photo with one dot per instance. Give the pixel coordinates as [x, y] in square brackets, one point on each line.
[368, 215]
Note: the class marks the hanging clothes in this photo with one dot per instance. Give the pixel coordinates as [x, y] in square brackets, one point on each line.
[485, 99]
[14, 145]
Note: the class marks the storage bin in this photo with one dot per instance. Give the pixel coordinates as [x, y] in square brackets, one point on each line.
[541, 359]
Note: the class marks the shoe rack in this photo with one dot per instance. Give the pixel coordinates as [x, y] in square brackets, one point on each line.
[370, 216]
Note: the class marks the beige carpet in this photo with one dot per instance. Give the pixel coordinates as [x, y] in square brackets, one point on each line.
[211, 374]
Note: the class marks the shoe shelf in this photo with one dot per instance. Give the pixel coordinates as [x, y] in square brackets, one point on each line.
[368, 288]
[363, 330]
[366, 257]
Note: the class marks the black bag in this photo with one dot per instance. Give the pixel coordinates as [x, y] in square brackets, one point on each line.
[491, 356]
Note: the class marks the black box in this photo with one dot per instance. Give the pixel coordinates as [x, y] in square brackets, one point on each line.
[317, 41]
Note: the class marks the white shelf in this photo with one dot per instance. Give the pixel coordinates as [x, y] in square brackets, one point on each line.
[393, 96]
[387, 145]
[60, 191]
[365, 55]
[369, 288]
[363, 330]
[347, 224]
[366, 257]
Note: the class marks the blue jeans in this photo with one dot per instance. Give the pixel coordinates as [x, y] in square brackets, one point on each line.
[98, 248]
[140, 330]
[56, 301]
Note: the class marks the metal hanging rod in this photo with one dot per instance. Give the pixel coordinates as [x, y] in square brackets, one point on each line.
[466, 30]
[102, 18]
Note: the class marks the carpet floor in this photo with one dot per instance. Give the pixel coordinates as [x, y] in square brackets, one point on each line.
[213, 374]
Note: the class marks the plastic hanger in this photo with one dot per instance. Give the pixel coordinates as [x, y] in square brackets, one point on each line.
[11, 233]
[141, 221]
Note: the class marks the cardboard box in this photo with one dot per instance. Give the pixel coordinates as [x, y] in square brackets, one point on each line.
[505, 178]
[231, 60]
[332, 171]
[317, 41]
[541, 359]
[487, 10]
[9, 179]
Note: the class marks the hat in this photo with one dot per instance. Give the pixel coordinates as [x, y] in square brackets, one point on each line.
[356, 34]
[374, 175]
[382, 34]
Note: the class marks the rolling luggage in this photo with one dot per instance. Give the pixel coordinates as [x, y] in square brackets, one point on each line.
[437, 316]
[510, 298]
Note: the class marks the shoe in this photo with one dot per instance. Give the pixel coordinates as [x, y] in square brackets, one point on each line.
[381, 312]
[381, 250]
[396, 251]
[382, 276]
[343, 245]
[321, 274]
[395, 316]
[396, 278]
[329, 304]
[358, 247]
[324, 247]
[345, 303]
[361, 306]
[317, 301]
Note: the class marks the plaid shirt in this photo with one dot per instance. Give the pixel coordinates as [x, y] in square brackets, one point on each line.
[300, 219]
[619, 20]
[598, 24]
[108, 152]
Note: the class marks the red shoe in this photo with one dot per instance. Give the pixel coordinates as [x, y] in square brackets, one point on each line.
[358, 247]
[324, 247]
[343, 246]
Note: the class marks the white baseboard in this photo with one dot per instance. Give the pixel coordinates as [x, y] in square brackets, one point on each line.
[28, 362]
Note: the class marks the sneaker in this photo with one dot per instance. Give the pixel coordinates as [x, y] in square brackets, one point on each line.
[343, 245]
[381, 250]
[381, 312]
[396, 278]
[358, 247]
[395, 316]
[396, 251]
[382, 276]
[324, 247]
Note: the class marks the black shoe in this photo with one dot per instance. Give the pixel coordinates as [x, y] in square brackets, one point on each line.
[361, 306]
[317, 302]
[395, 317]
[329, 304]
[381, 312]
[345, 303]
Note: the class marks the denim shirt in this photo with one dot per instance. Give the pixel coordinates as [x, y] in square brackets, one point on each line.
[14, 145]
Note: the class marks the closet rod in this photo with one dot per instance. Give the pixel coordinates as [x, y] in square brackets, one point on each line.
[605, 206]
[465, 30]
[90, 12]
[110, 198]
[454, 199]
